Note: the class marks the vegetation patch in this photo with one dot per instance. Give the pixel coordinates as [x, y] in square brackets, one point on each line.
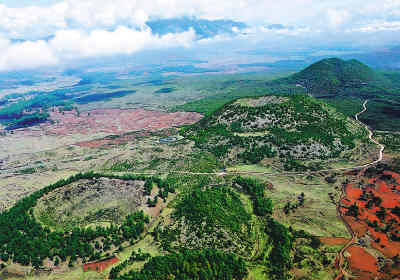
[208, 218]
[262, 206]
[165, 90]
[103, 96]
[299, 127]
[391, 140]
[191, 264]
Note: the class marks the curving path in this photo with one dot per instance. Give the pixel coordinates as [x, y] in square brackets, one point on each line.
[342, 272]
[371, 134]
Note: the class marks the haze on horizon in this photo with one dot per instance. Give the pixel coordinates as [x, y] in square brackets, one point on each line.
[44, 33]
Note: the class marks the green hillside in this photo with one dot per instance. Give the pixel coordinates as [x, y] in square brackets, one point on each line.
[289, 128]
[335, 76]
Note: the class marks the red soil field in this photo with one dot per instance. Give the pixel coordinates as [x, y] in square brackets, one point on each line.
[363, 265]
[110, 121]
[361, 262]
[100, 265]
[116, 121]
[352, 193]
[332, 241]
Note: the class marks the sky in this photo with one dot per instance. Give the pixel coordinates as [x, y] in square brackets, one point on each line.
[38, 33]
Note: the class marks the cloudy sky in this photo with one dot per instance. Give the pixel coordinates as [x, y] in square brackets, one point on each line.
[35, 33]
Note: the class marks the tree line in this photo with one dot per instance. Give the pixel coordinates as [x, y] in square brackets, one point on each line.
[191, 264]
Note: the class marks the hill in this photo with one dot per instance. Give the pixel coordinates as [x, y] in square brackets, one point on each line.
[335, 76]
[287, 127]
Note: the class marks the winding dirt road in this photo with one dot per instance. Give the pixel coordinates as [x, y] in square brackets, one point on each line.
[341, 257]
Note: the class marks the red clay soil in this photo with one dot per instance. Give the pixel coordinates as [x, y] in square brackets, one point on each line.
[361, 262]
[365, 266]
[116, 121]
[110, 121]
[333, 241]
[352, 192]
[359, 228]
[100, 265]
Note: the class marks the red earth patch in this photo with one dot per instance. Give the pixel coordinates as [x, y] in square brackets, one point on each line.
[116, 121]
[332, 241]
[101, 265]
[360, 260]
[109, 121]
[375, 201]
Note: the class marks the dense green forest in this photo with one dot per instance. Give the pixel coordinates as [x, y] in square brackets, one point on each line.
[209, 225]
[214, 207]
[262, 205]
[390, 140]
[191, 264]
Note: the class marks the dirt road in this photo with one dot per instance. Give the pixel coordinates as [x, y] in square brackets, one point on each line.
[342, 273]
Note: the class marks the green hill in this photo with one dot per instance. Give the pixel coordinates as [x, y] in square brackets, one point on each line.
[288, 128]
[335, 76]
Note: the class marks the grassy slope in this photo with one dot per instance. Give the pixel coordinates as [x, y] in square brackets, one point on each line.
[237, 132]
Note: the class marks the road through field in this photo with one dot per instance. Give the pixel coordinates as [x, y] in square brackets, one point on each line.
[342, 272]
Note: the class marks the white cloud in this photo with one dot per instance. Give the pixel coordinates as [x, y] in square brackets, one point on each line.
[123, 40]
[26, 55]
[76, 44]
[378, 26]
[89, 28]
[337, 17]
[32, 22]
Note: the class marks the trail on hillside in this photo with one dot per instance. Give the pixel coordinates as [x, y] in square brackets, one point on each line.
[341, 257]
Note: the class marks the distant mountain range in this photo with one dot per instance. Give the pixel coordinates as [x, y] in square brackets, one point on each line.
[204, 28]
